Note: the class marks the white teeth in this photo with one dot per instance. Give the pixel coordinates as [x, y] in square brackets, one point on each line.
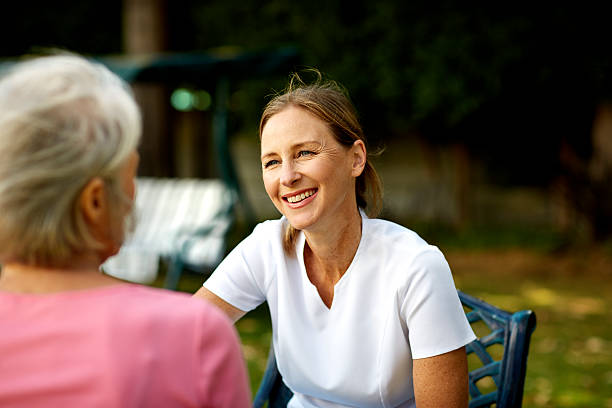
[299, 197]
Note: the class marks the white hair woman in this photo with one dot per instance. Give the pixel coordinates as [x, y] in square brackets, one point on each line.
[364, 312]
[71, 335]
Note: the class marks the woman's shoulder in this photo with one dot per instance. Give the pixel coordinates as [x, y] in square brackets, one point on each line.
[179, 328]
[408, 258]
[145, 303]
[393, 235]
[400, 245]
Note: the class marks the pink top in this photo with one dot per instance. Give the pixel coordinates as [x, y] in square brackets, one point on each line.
[118, 346]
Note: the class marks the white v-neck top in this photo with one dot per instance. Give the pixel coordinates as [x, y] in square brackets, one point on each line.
[396, 302]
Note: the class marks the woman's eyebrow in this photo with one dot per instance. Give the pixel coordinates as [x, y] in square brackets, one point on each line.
[266, 155]
[307, 143]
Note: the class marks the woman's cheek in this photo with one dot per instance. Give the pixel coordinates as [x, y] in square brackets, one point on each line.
[269, 185]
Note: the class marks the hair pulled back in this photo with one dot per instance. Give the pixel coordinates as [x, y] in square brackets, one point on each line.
[328, 101]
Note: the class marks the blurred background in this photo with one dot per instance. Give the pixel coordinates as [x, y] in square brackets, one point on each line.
[493, 123]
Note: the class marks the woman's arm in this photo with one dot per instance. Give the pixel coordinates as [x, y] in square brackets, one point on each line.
[441, 381]
[232, 312]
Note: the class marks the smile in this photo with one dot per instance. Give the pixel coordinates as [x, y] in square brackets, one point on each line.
[299, 197]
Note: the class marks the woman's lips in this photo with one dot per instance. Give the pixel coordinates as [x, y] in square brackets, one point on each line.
[300, 198]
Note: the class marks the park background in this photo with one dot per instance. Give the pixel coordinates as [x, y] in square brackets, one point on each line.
[494, 122]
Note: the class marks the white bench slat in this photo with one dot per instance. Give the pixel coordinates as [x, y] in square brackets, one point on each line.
[169, 215]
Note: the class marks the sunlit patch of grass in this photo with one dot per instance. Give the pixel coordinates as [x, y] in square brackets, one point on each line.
[576, 398]
[570, 359]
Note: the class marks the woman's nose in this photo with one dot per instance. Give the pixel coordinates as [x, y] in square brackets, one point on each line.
[289, 174]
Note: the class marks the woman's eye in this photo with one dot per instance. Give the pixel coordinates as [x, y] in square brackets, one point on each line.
[304, 153]
[270, 163]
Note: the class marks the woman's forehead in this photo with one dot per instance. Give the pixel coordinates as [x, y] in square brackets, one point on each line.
[294, 125]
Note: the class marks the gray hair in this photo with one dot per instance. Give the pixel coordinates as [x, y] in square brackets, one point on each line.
[64, 120]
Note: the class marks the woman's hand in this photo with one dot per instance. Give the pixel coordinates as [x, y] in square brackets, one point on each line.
[441, 381]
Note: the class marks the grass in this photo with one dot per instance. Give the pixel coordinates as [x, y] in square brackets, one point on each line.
[570, 359]
[490, 236]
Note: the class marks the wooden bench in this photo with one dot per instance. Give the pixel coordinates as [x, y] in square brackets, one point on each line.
[182, 221]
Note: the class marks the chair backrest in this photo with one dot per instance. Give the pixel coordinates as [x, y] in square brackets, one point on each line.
[497, 359]
[499, 354]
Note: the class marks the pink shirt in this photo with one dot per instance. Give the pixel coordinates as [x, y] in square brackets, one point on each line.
[118, 346]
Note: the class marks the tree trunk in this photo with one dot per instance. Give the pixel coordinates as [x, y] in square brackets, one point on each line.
[144, 32]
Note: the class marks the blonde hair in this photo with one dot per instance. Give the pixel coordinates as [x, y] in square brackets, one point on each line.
[63, 121]
[328, 101]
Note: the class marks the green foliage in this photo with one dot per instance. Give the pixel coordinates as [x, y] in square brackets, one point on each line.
[407, 62]
[512, 82]
[437, 68]
[491, 236]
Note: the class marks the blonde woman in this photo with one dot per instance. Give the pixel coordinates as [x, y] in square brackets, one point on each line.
[364, 312]
[70, 335]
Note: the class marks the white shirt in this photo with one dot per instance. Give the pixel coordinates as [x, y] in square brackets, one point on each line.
[396, 302]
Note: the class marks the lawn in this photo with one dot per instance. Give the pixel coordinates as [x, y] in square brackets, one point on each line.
[570, 360]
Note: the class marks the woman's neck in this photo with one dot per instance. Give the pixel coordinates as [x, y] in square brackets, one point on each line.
[333, 250]
[83, 273]
[328, 254]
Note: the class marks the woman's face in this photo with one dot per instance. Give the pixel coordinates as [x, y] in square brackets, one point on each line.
[308, 175]
[127, 175]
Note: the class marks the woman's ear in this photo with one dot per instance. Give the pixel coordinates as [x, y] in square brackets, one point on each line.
[359, 156]
[93, 202]
[96, 209]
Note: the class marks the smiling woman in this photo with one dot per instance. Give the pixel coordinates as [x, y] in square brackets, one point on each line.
[308, 175]
[351, 297]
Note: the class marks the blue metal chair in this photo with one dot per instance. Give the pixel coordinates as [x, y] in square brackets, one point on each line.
[497, 359]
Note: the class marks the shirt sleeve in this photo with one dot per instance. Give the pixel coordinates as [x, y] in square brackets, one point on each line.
[240, 278]
[220, 368]
[434, 315]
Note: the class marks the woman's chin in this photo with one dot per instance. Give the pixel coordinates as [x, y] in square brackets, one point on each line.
[301, 222]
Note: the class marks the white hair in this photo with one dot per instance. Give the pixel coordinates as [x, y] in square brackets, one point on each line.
[63, 121]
